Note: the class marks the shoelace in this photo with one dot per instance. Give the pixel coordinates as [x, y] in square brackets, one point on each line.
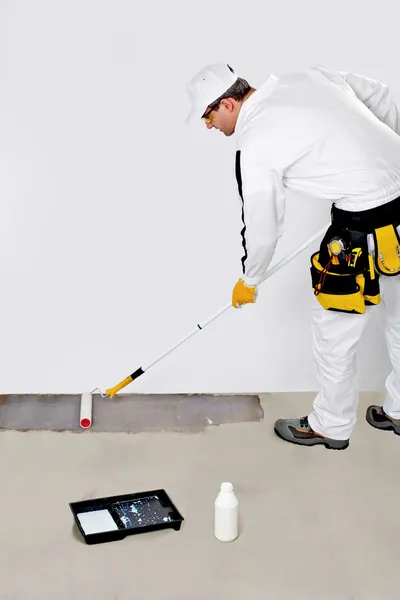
[382, 412]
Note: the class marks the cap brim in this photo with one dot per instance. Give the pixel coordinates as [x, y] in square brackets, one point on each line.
[195, 115]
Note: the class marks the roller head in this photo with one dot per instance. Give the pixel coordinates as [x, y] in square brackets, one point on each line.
[86, 410]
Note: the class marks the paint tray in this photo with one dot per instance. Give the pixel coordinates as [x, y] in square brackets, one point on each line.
[113, 518]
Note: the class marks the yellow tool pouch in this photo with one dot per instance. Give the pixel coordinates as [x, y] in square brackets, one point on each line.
[339, 291]
[387, 250]
[345, 274]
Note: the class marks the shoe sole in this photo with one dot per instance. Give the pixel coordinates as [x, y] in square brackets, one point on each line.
[388, 427]
[326, 444]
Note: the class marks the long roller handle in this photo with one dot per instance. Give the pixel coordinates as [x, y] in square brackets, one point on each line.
[112, 391]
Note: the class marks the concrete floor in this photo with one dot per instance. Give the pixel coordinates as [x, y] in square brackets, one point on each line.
[315, 524]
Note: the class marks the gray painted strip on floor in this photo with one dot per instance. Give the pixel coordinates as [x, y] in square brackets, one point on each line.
[128, 412]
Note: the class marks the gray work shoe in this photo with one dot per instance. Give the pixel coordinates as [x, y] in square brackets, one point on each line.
[298, 431]
[377, 417]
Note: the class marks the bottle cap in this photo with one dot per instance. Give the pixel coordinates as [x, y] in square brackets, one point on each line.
[226, 487]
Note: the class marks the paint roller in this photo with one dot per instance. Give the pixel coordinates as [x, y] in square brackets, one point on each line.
[85, 419]
[111, 392]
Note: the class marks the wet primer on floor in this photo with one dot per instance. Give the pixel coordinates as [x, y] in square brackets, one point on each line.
[131, 413]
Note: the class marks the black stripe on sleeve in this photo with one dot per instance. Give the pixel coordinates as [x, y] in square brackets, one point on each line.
[240, 187]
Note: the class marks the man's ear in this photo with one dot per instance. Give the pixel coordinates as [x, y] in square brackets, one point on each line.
[228, 104]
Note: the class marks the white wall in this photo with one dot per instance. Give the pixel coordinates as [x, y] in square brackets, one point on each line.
[120, 228]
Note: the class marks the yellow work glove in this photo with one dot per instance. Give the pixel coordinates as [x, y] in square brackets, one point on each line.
[243, 294]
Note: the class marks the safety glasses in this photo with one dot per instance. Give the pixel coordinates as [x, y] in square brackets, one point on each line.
[208, 116]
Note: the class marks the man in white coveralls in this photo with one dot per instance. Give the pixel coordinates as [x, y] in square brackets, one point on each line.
[333, 136]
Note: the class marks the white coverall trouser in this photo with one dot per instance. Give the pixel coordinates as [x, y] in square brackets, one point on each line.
[335, 341]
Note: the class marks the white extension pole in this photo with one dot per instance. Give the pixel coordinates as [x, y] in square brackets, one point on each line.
[267, 275]
[112, 391]
[86, 410]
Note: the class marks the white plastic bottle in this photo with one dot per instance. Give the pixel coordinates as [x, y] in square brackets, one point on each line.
[226, 514]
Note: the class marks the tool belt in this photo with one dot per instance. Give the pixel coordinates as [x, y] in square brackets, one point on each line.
[345, 272]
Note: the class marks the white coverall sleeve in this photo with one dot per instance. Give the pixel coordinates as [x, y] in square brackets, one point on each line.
[374, 94]
[263, 207]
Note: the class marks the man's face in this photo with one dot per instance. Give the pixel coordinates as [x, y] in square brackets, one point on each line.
[223, 117]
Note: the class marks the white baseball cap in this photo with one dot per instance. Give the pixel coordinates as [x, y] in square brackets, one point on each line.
[207, 86]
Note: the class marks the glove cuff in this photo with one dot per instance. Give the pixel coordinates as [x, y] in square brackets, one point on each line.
[251, 281]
